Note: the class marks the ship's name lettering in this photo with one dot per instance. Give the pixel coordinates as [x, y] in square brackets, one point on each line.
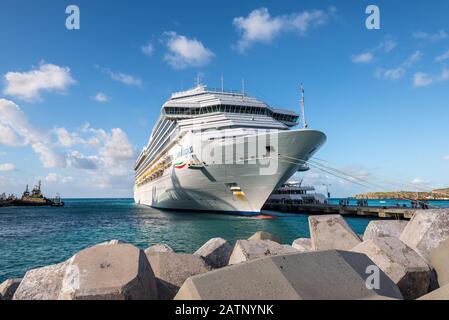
[184, 151]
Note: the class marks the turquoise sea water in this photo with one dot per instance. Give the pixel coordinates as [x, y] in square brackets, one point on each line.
[33, 237]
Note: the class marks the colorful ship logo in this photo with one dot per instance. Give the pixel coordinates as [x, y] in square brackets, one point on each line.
[180, 165]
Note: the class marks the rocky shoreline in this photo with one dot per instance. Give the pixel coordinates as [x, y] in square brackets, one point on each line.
[393, 260]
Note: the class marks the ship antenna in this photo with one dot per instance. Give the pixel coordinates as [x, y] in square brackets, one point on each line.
[198, 80]
[303, 113]
[243, 86]
[222, 84]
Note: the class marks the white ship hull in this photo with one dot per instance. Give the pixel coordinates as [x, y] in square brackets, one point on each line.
[239, 184]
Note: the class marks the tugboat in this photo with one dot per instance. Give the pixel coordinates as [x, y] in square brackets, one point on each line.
[6, 201]
[35, 198]
[57, 202]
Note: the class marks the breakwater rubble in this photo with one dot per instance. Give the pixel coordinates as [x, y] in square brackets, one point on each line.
[411, 259]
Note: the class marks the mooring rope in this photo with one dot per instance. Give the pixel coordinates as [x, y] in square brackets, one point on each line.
[340, 174]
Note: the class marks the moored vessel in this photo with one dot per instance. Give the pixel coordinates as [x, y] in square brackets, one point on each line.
[35, 198]
[218, 150]
[293, 192]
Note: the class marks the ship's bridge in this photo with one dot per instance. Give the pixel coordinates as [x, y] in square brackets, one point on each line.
[205, 108]
[202, 100]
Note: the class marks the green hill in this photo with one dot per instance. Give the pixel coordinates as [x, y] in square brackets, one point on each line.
[446, 190]
[438, 194]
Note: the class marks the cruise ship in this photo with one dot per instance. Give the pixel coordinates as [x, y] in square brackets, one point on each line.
[221, 151]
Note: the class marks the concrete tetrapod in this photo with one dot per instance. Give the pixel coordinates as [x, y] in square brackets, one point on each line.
[309, 276]
[262, 235]
[426, 231]
[109, 272]
[384, 228]
[8, 288]
[172, 269]
[439, 258]
[245, 250]
[160, 247]
[438, 294]
[329, 232]
[302, 244]
[401, 263]
[216, 252]
[42, 283]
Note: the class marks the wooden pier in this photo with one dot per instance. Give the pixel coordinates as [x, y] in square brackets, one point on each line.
[348, 210]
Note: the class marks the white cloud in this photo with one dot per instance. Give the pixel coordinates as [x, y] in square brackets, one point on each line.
[387, 45]
[399, 72]
[115, 152]
[184, 52]
[421, 79]
[440, 35]
[443, 57]
[29, 85]
[260, 27]
[105, 158]
[446, 157]
[21, 133]
[390, 74]
[57, 178]
[101, 97]
[148, 49]
[79, 161]
[7, 167]
[67, 139]
[49, 157]
[444, 75]
[123, 78]
[7, 135]
[419, 181]
[365, 57]
[126, 79]
[413, 58]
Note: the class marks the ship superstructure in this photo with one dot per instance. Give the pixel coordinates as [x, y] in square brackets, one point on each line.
[218, 150]
[293, 192]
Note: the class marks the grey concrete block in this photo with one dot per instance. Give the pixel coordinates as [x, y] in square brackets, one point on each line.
[245, 250]
[216, 252]
[8, 288]
[399, 262]
[111, 242]
[160, 247]
[438, 294]
[384, 228]
[439, 258]
[328, 232]
[262, 235]
[318, 275]
[42, 283]
[426, 231]
[109, 272]
[302, 244]
[172, 269]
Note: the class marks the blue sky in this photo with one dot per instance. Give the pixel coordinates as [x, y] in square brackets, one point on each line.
[78, 105]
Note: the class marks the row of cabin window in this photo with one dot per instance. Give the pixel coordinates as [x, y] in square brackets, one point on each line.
[231, 109]
[290, 192]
